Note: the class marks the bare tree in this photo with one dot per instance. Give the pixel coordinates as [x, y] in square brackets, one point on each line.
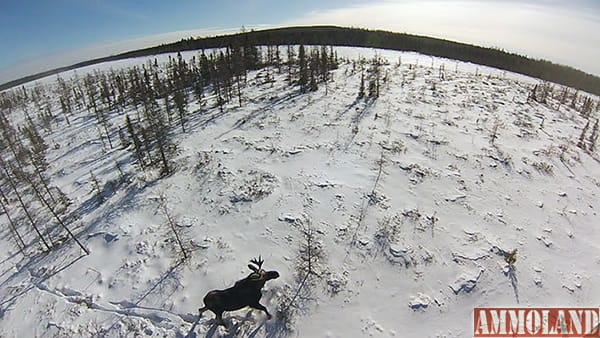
[173, 226]
[57, 217]
[13, 226]
[581, 142]
[308, 271]
[22, 203]
[593, 140]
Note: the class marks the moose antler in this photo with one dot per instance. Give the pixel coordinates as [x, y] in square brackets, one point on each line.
[257, 264]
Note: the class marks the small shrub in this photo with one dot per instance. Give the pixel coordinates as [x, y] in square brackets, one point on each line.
[543, 167]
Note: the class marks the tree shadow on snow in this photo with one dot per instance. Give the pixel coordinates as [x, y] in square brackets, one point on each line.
[124, 203]
[160, 283]
[40, 267]
[253, 115]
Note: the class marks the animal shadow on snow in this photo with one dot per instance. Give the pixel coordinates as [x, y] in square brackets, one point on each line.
[235, 324]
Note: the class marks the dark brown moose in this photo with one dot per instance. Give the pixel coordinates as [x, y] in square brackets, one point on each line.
[245, 292]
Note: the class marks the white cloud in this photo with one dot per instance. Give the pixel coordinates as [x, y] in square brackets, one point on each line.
[545, 30]
[558, 34]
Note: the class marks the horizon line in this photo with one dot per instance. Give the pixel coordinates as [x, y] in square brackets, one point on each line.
[205, 33]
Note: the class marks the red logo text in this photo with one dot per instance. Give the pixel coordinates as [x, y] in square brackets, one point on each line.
[536, 322]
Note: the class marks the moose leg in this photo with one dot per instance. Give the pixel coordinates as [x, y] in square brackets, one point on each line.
[219, 318]
[259, 306]
[201, 310]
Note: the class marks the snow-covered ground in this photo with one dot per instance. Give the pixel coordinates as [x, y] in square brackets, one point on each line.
[412, 205]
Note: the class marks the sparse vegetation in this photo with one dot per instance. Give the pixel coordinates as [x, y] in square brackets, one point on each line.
[309, 270]
[324, 35]
[208, 155]
[543, 167]
[388, 230]
[176, 231]
[495, 130]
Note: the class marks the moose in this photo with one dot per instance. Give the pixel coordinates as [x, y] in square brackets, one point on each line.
[245, 292]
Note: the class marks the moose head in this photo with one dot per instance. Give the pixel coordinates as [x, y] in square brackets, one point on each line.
[245, 292]
[260, 274]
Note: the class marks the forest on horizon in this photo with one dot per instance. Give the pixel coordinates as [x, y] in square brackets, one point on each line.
[355, 37]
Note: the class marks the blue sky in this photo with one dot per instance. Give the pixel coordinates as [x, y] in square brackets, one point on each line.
[41, 34]
[56, 24]
[36, 27]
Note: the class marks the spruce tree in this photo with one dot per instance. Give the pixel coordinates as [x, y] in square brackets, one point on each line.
[593, 140]
[581, 143]
[65, 109]
[198, 86]
[313, 70]
[137, 144]
[24, 206]
[180, 103]
[361, 90]
[302, 69]
[323, 64]
[290, 64]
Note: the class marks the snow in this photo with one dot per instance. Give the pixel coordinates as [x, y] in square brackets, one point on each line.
[413, 207]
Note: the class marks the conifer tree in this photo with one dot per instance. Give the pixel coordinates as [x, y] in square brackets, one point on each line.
[324, 64]
[11, 181]
[137, 144]
[302, 69]
[205, 69]
[37, 154]
[593, 140]
[197, 84]
[168, 106]
[581, 143]
[96, 187]
[574, 100]
[290, 64]
[563, 95]
[361, 90]
[65, 109]
[157, 136]
[375, 76]
[180, 103]
[237, 66]
[313, 70]
[278, 59]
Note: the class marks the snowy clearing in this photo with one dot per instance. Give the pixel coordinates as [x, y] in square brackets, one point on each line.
[412, 204]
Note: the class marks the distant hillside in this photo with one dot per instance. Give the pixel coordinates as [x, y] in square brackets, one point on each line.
[339, 36]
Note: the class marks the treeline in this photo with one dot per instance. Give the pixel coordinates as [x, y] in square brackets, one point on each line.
[338, 36]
